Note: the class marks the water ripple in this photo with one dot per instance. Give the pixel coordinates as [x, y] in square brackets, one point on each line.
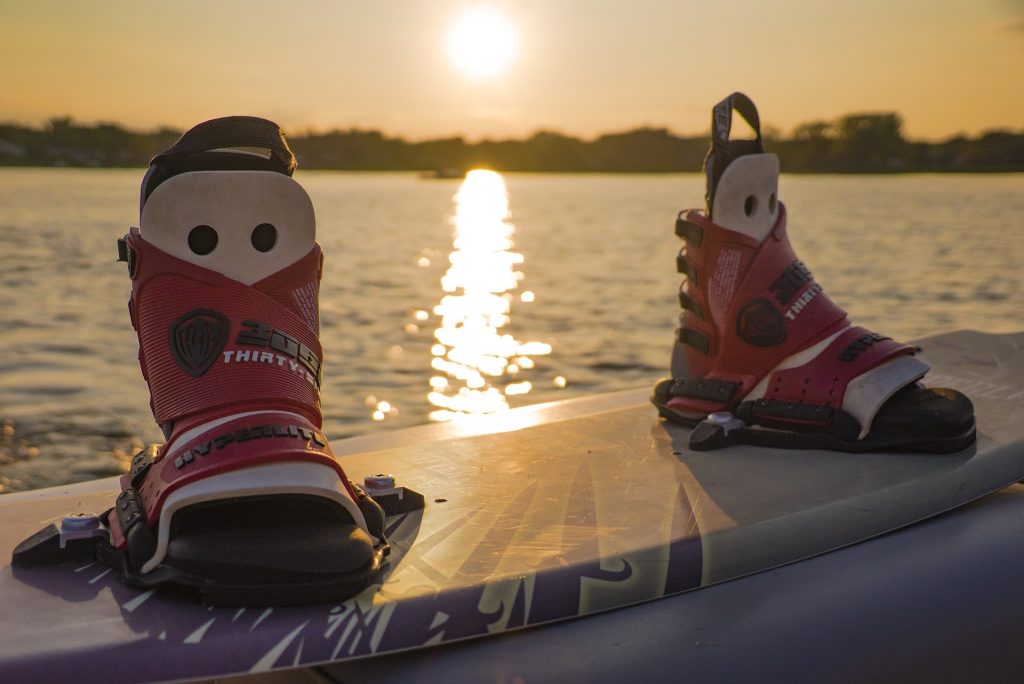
[598, 253]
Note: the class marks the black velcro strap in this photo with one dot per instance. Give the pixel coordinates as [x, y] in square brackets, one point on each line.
[141, 464]
[127, 254]
[690, 304]
[785, 415]
[689, 231]
[128, 509]
[695, 339]
[706, 389]
[774, 409]
[141, 541]
[686, 268]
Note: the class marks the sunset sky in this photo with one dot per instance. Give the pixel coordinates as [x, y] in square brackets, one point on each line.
[582, 67]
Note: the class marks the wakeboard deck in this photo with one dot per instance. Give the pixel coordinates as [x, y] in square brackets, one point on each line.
[533, 516]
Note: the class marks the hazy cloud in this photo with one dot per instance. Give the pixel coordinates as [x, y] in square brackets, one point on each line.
[1014, 26]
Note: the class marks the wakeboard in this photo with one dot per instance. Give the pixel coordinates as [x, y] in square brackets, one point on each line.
[540, 514]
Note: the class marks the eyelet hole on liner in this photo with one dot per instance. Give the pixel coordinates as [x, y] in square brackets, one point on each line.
[202, 240]
[264, 237]
[750, 205]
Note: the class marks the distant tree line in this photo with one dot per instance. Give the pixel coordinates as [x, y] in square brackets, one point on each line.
[856, 143]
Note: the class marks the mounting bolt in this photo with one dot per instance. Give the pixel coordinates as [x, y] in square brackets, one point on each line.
[725, 420]
[379, 481]
[79, 526]
[80, 522]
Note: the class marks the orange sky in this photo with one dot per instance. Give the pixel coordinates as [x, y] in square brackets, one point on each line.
[584, 66]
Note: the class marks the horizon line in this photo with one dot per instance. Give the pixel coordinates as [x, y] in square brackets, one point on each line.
[307, 130]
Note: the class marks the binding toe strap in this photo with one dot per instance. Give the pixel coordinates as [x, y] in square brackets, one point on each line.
[848, 382]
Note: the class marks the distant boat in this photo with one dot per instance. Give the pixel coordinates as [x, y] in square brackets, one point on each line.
[443, 174]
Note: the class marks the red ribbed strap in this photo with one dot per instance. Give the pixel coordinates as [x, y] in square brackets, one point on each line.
[274, 365]
[823, 380]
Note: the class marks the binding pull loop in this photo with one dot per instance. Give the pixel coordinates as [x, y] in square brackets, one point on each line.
[231, 132]
[723, 151]
[223, 144]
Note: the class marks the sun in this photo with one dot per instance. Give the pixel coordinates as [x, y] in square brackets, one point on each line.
[483, 43]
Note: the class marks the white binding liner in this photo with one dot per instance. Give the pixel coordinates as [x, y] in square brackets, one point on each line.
[232, 203]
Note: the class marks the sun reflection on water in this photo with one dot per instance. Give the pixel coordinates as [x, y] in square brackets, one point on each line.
[477, 363]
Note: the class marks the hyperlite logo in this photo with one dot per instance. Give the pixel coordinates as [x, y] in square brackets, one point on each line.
[759, 323]
[197, 340]
[247, 435]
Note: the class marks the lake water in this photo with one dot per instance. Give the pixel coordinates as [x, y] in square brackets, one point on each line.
[574, 292]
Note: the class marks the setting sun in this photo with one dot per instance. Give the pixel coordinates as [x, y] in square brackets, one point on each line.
[482, 43]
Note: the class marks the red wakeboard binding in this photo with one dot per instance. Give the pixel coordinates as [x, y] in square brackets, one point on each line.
[762, 355]
[245, 501]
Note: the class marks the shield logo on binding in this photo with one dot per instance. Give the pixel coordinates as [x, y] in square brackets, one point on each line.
[197, 339]
[760, 324]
